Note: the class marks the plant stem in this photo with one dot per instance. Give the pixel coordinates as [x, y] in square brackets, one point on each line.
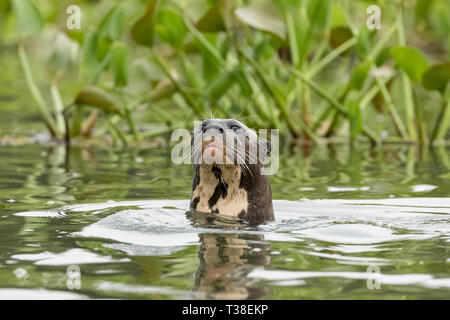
[292, 125]
[116, 131]
[338, 106]
[406, 82]
[35, 93]
[59, 107]
[391, 107]
[314, 69]
[167, 70]
[443, 121]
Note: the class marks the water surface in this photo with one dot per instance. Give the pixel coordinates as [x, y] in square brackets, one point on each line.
[346, 221]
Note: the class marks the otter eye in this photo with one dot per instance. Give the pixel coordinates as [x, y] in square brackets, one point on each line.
[235, 127]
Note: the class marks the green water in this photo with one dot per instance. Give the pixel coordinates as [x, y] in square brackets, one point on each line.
[119, 217]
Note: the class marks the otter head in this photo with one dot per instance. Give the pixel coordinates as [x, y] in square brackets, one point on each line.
[228, 157]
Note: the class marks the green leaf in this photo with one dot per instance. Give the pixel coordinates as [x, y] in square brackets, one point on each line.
[359, 75]
[354, 115]
[215, 19]
[411, 60]
[111, 26]
[143, 30]
[162, 90]
[63, 56]
[264, 18]
[29, 20]
[89, 60]
[220, 84]
[318, 14]
[97, 98]
[170, 27]
[437, 77]
[119, 64]
[422, 8]
[340, 35]
[364, 45]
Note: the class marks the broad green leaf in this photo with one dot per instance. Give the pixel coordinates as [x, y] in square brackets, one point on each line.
[89, 60]
[318, 14]
[63, 56]
[111, 26]
[264, 18]
[215, 19]
[209, 61]
[97, 98]
[143, 30]
[340, 35]
[411, 60]
[29, 20]
[162, 90]
[170, 27]
[220, 84]
[422, 8]
[359, 75]
[364, 45]
[119, 64]
[383, 56]
[437, 77]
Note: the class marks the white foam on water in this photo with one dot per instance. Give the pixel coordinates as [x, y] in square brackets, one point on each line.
[139, 289]
[38, 294]
[356, 234]
[41, 214]
[423, 188]
[387, 279]
[70, 257]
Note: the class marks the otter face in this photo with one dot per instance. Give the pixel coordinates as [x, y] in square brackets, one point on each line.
[226, 142]
[227, 180]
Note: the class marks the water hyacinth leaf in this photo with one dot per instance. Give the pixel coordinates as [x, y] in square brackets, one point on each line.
[143, 30]
[29, 20]
[63, 56]
[76, 35]
[89, 60]
[318, 14]
[437, 77]
[97, 98]
[354, 115]
[119, 65]
[364, 44]
[340, 35]
[219, 85]
[170, 27]
[263, 18]
[210, 65]
[411, 60]
[215, 19]
[383, 56]
[422, 9]
[359, 75]
[111, 26]
[162, 90]
[211, 21]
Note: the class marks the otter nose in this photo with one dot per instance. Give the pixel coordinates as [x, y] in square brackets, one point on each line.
[212, 128]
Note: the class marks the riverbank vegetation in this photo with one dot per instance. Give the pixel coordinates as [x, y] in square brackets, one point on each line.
[316, 70]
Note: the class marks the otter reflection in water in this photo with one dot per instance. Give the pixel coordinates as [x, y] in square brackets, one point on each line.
[226, 258]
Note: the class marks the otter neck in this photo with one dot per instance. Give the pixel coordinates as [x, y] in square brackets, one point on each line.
[219, 190]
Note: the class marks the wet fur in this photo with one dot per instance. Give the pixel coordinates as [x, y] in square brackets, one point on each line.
[232, 190]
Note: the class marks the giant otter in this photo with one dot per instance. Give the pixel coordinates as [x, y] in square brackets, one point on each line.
[228, 180]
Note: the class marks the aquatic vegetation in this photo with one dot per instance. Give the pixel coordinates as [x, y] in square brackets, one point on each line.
[311, 68]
